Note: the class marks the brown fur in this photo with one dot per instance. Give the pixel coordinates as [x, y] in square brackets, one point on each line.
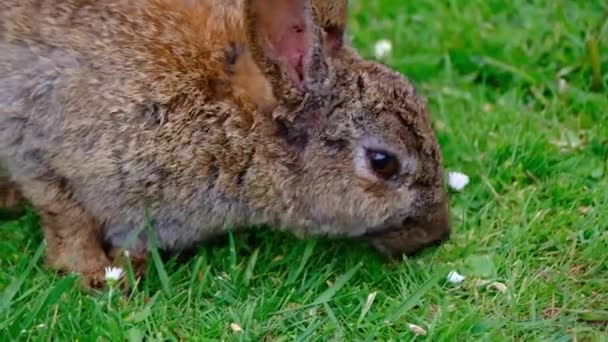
[333, 17]
[116, 111]
[10, 197]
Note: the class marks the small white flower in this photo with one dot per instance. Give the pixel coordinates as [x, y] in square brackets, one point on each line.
[383, 48]
[457, 180]
[455, 277]
[114, 273]
[417, 330]
[235, 327]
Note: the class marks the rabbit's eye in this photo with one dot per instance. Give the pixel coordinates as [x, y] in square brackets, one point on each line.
[385, 165]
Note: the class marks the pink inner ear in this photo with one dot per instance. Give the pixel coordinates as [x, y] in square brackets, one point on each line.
[293, 47]
[288, 32]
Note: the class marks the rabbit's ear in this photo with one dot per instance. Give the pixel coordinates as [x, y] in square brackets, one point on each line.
[333, 17]
[285, 41]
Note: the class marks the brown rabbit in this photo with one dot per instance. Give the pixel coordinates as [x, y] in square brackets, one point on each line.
[190, 117]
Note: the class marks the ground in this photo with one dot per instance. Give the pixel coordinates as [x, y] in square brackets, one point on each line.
[517, 91]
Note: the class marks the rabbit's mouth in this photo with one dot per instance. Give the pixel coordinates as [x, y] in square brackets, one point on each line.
[413, 234]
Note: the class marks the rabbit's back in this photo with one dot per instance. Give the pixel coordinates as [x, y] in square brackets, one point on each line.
[115, 99]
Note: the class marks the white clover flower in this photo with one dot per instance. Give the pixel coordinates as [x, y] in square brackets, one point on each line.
[457, 180]
[113, 274]
[455, 277]
[383, 48]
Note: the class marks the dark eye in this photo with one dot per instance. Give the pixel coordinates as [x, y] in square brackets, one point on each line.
[384, 164]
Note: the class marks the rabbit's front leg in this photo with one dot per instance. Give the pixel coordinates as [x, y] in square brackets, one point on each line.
[10, 197]
[73, 236]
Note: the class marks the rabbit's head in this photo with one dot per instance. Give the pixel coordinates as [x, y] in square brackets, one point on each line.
[348, 149]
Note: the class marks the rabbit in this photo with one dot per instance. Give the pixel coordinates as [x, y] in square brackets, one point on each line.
[131, 122]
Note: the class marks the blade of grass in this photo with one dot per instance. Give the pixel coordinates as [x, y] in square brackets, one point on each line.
[233, 257]
[333, 319]
[51, 298]
[596, 64]
[510, 68]
[14, 287]
[367, 306]
[158, 263]
[597, 316]
[308, 250]
[311, 329]
[196, 269]
[328, 294]
[251, 266]
[415, 296]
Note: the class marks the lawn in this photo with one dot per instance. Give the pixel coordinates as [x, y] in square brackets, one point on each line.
[518, 95]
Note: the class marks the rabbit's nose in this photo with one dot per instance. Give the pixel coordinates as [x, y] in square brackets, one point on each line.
[415, 234]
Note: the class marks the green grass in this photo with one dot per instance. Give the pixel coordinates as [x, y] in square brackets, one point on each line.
[535, 216]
